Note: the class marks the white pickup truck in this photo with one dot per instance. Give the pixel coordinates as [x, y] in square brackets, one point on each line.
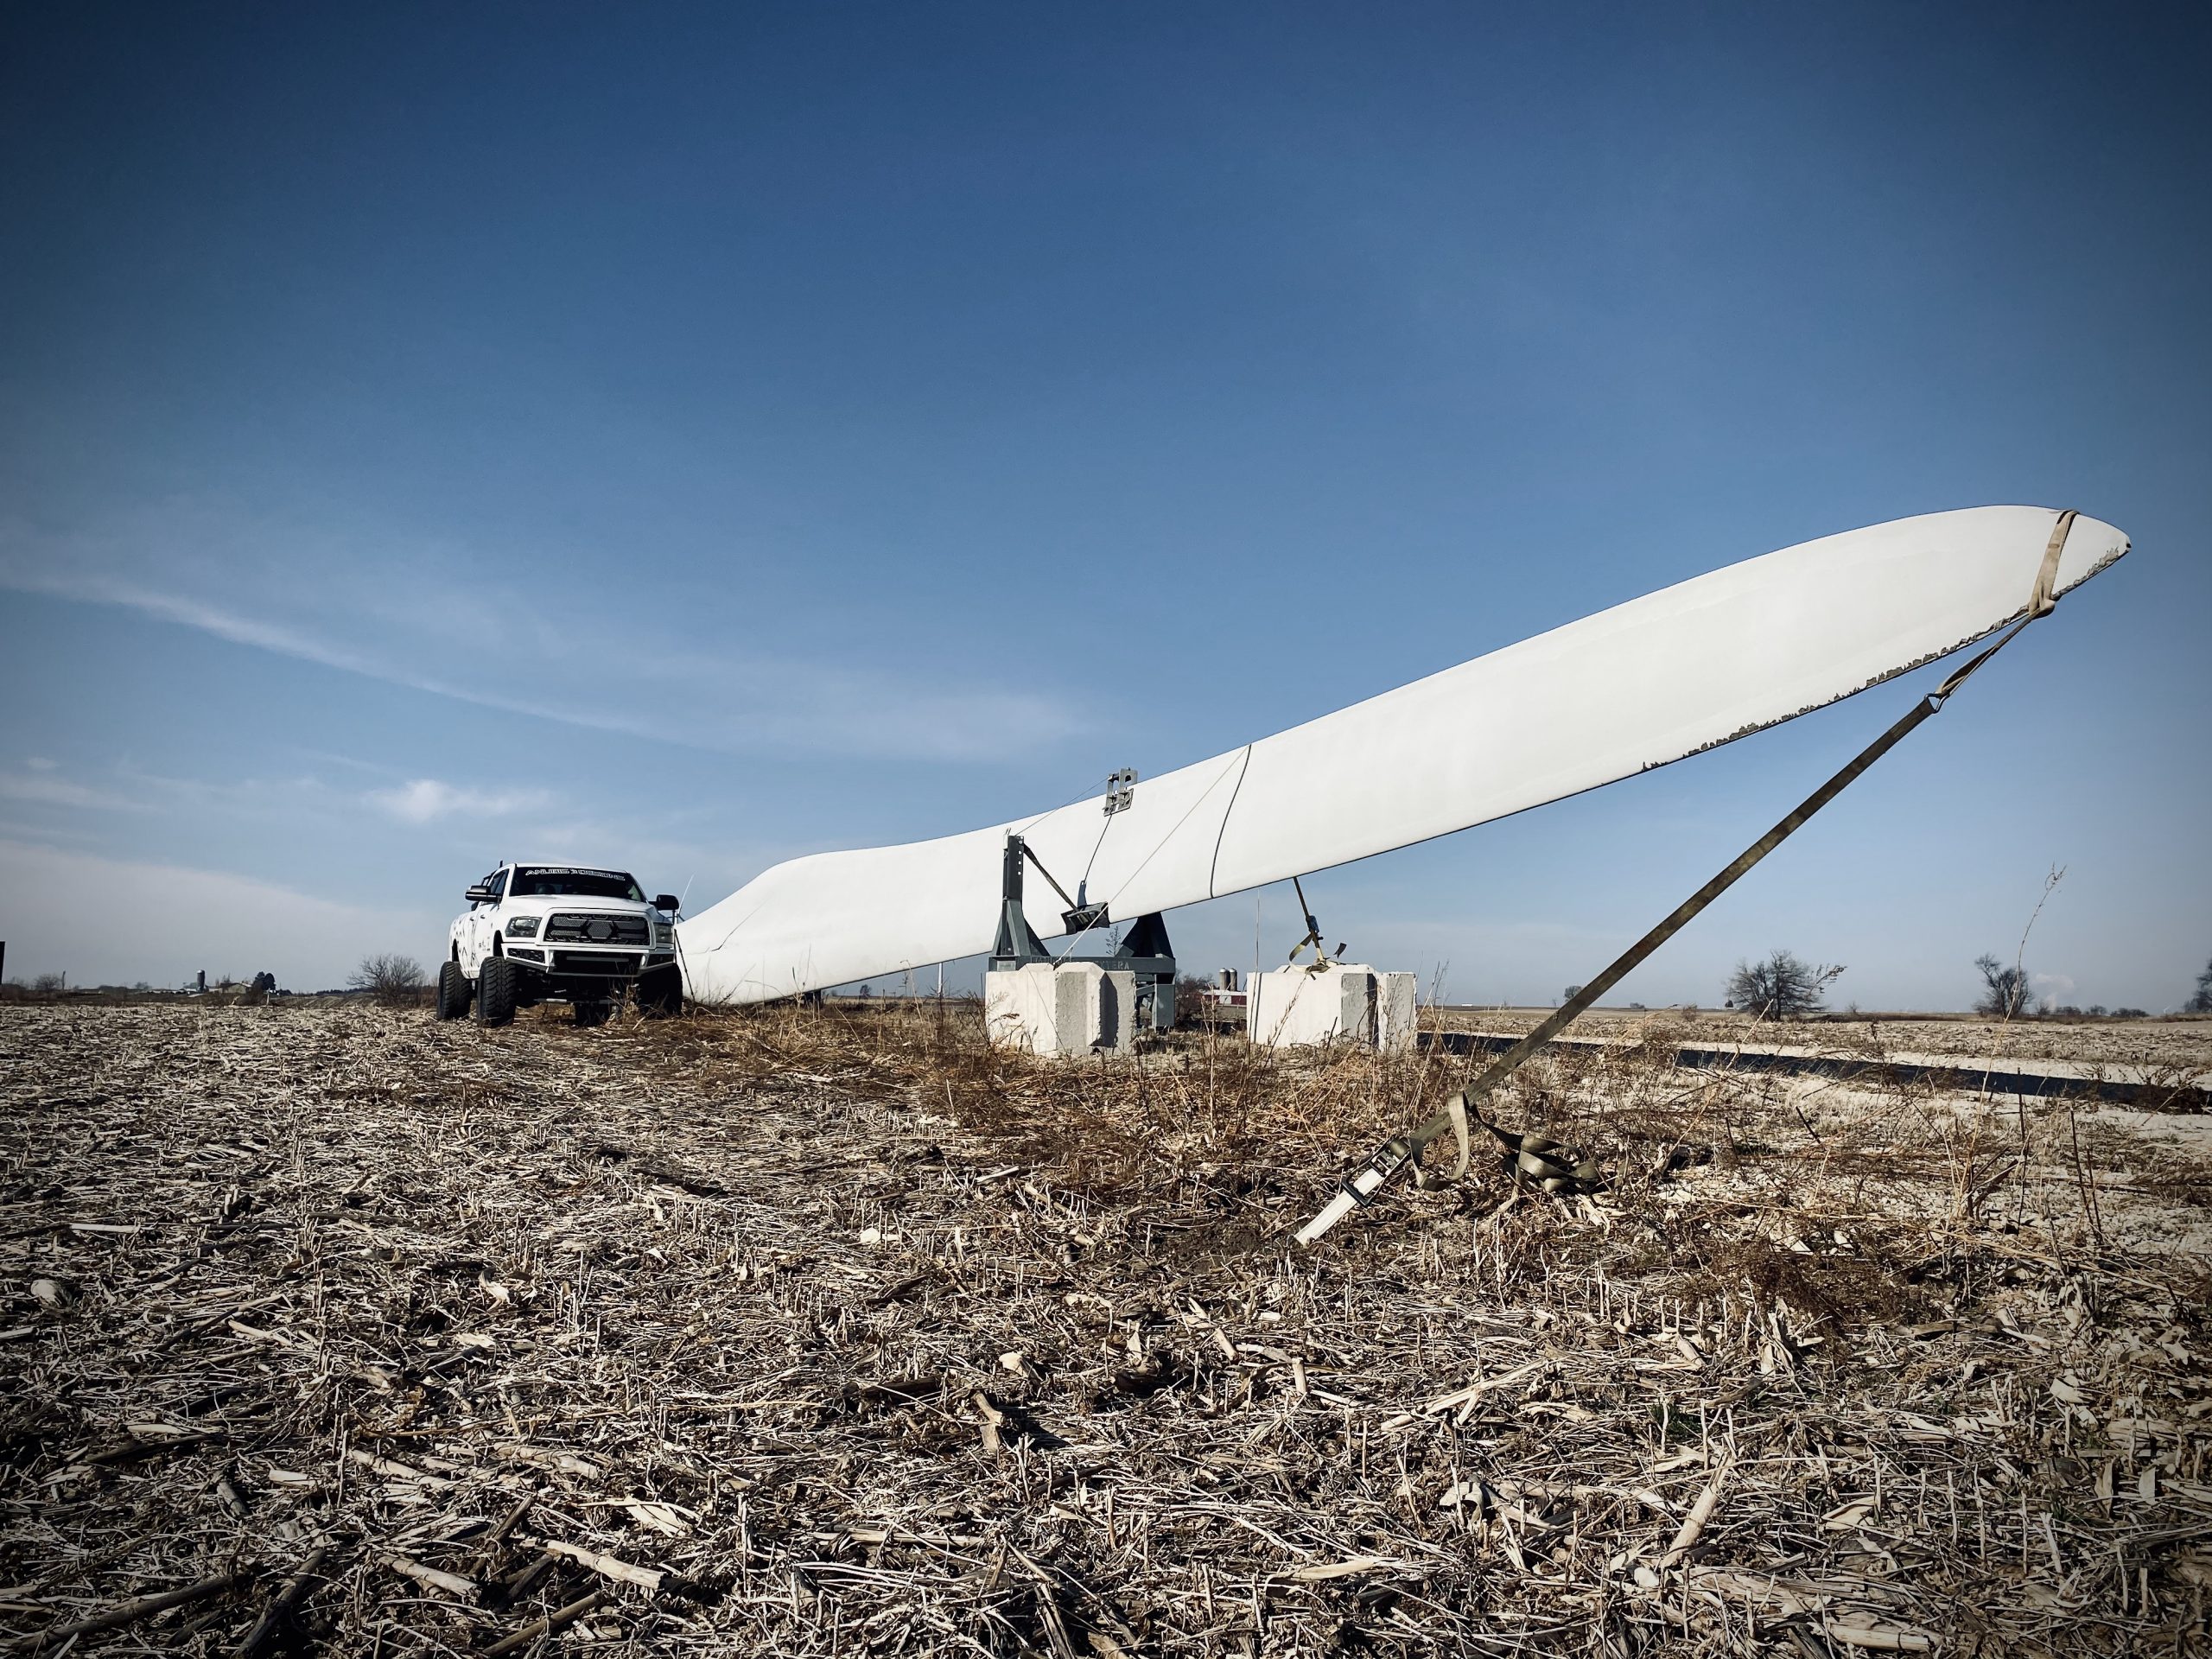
[555, 934]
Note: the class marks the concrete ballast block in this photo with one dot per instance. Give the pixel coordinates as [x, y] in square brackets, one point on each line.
[1292, 1008]
[1397, 1012]
[1060, 1007]
[1345, 1003]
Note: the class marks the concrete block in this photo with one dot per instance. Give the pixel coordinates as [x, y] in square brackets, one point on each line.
[1355, 1010]
[1397, 1012]
[1292, 1008]
[1018, 1009]
[1346, 1002]
[1059, 1008]
[1117, 1012]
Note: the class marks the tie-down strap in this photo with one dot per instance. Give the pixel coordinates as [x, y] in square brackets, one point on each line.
[1358, 1189]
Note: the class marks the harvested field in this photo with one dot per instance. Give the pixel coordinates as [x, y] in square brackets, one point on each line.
[831, 1332]
[2179, 1045]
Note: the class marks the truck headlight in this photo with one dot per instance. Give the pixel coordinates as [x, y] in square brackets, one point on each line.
[664, 936]
[522, 927]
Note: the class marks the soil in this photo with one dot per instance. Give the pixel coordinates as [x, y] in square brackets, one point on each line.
[832, 1332]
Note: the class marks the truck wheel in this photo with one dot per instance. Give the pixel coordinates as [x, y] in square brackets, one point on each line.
[453, 991]
[495, 992]
[660, 992]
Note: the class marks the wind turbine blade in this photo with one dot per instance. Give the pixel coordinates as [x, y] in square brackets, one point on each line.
[1640, 685]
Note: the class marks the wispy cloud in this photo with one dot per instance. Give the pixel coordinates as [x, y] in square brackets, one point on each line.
[400, 617]
[41, 784]
[425, 800]
[570, 825]
[416, 800]
[306, 645]
[688, 854]
[120, 920]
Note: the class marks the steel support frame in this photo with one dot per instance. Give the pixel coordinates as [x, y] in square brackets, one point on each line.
[1146, 952]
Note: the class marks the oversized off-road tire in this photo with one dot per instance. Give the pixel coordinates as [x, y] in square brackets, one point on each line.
[453, 991]
[495, 992]
[591, 1011]
[660, 992]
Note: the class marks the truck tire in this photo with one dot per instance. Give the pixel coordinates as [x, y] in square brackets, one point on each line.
[453, 991]
[660, 992]
[495, 992]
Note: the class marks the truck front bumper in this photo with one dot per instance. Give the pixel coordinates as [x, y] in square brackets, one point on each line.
[560, 964]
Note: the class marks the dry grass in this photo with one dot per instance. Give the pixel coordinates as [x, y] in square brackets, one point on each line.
[832, 1332]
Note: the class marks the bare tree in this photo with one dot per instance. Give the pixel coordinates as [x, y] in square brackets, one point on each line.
[394, 981]
[1784, 987]
[2201, 1002]
[2004, 993]
[1191, 1000]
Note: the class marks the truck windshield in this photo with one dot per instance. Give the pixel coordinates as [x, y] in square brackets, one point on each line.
[545, 881]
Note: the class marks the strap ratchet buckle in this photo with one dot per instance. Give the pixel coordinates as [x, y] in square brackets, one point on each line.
[1385, 1160]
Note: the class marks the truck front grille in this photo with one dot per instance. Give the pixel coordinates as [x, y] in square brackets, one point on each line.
[569, 926]
[593, 962]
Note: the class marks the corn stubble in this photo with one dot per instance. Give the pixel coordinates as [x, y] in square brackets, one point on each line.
[814, 1331]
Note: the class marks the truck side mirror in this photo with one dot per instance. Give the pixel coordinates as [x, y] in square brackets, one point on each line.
[478, 895]
[669, 902]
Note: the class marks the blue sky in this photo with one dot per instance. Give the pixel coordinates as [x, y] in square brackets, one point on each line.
[686, 438]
